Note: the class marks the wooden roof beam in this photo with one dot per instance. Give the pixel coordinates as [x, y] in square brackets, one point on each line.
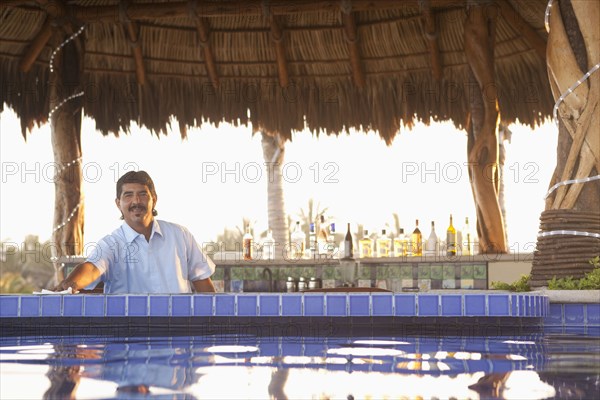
[432, 42]
[140, 11]
[36, 46]
[514, 19]
[132, 32]
[277, 38]
[209, 59]
[351, 36]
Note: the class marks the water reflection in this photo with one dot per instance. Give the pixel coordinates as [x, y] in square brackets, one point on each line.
[533, 366]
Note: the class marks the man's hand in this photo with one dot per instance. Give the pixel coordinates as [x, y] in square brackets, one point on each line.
[66, 284]
[83, 274]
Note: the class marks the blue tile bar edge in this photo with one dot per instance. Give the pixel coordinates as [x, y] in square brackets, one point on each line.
[258, 305]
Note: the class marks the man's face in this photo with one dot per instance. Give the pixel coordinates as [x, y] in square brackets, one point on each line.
[136, 204]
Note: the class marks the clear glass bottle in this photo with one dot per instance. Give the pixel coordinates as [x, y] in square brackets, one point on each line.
[416, 239]
[312, 241]
[451, 239]
[268, 246]
[248, 245]
[365, 245]
[432, 242]
[384, 244]
[322, 237]
[331, 247]
[400, 244]
[298, 244]
[467, 240]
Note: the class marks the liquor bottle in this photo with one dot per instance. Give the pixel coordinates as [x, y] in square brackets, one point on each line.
[416, 241]
[400, 244]
[312, 241]
[365, 245]
[467, 241]
[298, 243]
[384, 244]
[269, 246]
[331, 240]
[451, 239]
[348, 246]
[432, 242]
[247, 245]
[322, 237]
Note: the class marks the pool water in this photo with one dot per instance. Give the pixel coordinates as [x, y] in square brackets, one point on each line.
[536, 366]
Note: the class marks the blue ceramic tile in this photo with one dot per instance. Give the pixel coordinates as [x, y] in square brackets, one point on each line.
[181, 306]
[72, 306]
[574, 314]
[428, 304]
[115, 306]
[405, 304]
[514, 306]
[93, 306]
[382, 304]
[224, 305]
[203, 305]
[268, 305]
[451, 305]
[336, 305]
[313, 304]
[593, 314]
[522, 307]
[137, 306]
[359, 305]
[159, 306]
[538, 306]
[498, 305]
[30, 306]
[474, 305]
[555, 318]
[291, 305]
[9, 306]
[246, 305]
[291, 349]
[269, 349]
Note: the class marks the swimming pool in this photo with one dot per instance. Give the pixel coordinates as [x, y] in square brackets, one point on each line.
[540, 365]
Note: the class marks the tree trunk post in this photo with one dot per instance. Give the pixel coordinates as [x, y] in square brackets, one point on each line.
[65, 125]
[482, 144]
[570, 224]
[273, 153]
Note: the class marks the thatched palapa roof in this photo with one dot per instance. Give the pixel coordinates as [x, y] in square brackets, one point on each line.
[327, 65]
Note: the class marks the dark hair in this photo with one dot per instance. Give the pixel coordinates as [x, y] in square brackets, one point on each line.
[140, 177]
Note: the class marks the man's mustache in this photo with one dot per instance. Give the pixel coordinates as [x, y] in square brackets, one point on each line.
[136, 206]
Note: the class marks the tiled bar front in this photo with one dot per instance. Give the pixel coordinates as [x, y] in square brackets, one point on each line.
[279, 305]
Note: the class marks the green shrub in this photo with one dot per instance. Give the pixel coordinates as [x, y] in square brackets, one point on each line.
[590, 281]
[522, 285]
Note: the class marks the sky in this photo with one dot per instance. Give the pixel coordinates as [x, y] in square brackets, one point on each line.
[217, 176]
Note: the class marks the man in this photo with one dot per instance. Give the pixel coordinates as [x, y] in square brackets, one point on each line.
[144, 255]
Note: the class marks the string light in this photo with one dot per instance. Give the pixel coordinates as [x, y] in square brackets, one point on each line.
[570, 182]
[566, 232]
[571, 89]
[69, 218]
[56, 50]
[547, 16]
[63, 102]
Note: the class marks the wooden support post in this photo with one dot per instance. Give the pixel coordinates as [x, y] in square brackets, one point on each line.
[277, 38]
[65, 125]
[482, 134]
[351, 36]
[209, 59]
[432, 42]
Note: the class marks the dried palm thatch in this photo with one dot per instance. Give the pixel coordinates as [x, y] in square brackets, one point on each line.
[323, 93]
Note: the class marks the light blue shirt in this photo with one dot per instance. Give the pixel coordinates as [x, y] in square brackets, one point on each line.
[164, 264]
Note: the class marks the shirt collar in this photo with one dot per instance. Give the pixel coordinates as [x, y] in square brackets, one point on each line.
[131, 234]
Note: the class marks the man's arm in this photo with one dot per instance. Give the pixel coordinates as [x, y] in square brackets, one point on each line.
[83, 274]
[204, 285]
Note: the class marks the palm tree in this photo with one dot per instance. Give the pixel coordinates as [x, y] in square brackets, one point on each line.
[273, 146]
